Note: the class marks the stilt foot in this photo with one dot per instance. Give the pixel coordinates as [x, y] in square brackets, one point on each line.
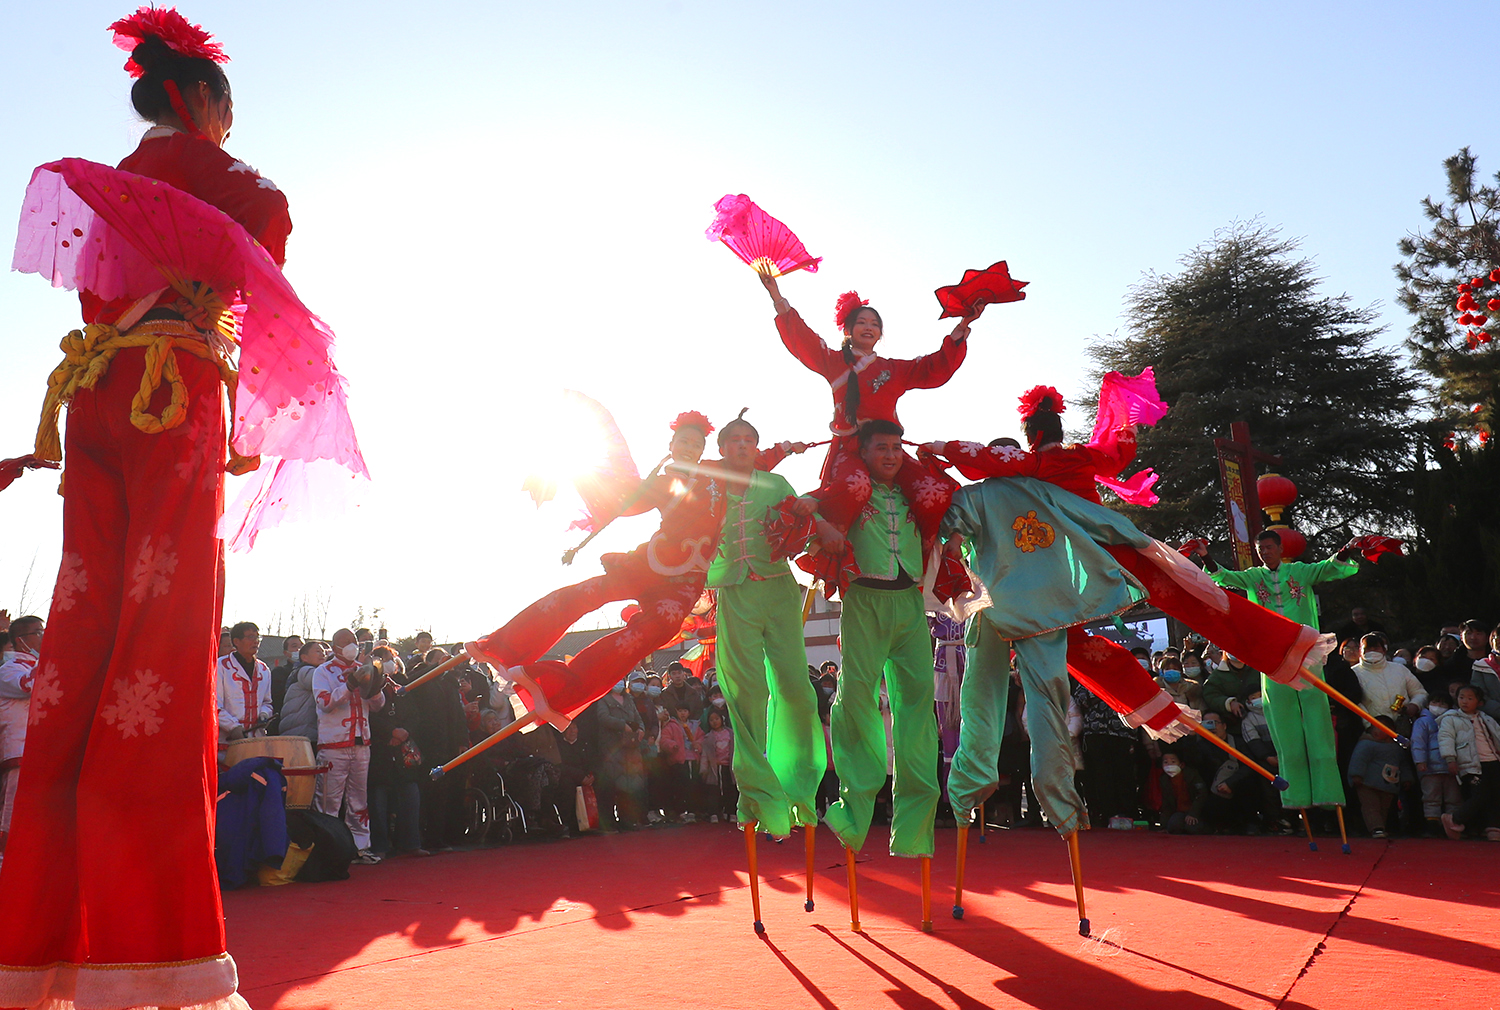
[927, 926]
[1347, 850]
[1083, 927]
[958, 911]
[808, 906]
[760, 927]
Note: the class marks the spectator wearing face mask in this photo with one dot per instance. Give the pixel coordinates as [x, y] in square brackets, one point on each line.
[346, 690]
[1183, 794]
[1453, 662]
[1187, 693]
[1389, 688]
[1426, 665]
[1471, 747]
[1236, 802]
[397, 767]
[281, 675]
[1486, 675]
[17, 672]
[716, 703]
[1142, 656]
[681, 754]
[299, 713]
[1376, 771]
[1440, 792]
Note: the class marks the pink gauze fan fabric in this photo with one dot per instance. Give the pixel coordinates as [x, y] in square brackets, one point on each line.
[755, 236]
[1128, 399]
[605, 487]
[91, 227]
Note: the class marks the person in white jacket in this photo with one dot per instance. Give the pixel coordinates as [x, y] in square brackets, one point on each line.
[1385, 682]
[17, 673]
[243, 687]
[1471, 746]
[346, 689]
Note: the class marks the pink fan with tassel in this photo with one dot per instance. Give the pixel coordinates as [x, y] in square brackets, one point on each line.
[758, 238]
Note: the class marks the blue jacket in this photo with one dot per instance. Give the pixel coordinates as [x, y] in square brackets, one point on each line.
[1424, 744]
[251, 829]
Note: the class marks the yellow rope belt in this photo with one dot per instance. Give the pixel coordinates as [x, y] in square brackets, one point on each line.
[86, 357]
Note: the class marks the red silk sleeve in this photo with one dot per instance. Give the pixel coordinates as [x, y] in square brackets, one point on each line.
[932, 370]
[990, 461]
[809, 348]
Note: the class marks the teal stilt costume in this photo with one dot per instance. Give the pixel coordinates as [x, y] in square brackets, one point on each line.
[779, 757]
[884, 633]
[1301, 723]
[1037, 549]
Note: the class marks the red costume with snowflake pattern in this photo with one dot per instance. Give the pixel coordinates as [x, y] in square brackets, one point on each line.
[665, 576]
[109, 894]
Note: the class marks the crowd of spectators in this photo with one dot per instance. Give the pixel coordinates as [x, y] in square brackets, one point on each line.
[1443, 696]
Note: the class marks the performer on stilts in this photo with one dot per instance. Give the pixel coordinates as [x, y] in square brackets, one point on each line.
[664, 576]
[884, 633]
[109, 895]
[1301, 722]
[779, 757]
[866, 387]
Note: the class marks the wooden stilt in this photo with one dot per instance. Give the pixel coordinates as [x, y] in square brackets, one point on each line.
[485, 744]
[853, 890]
[981, 823]
[1307, 824]
[1083, 919]
[436, 671]
[963, 856]
[926, 862]
[812, 842]
[1380, 728]
[760, 927]
[1343, 834]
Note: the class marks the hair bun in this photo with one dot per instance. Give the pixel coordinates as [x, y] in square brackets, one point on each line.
[151, 54]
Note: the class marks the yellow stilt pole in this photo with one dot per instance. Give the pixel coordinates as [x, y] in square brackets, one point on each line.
[1083, 919]
[436, 671]
[485, 744]
[963, 856]
[1307, 824]
[812, 842]
[853, 890]
[760, 927]
[926, 862]
[1343, 834]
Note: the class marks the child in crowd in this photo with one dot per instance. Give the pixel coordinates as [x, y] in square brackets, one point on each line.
[681, 751]
[1376, 771]
[1440, 792]
[1470, 745]
[716, 768]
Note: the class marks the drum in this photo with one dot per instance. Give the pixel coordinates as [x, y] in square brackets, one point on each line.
[297, 763]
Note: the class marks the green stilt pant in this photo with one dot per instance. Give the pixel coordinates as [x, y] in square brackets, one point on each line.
[885, 632]
[779, 757]
[1301, 727]
[1042, 661]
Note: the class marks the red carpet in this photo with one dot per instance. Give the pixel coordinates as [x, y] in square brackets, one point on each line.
[661, 918]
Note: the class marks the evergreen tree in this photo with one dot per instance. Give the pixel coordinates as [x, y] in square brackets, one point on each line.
[1242, 334]
[1462, 245]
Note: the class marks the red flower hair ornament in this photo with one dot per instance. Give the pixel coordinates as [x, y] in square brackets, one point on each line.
[847, 307]
[693, 419]
[182, 38]
[1039, 398]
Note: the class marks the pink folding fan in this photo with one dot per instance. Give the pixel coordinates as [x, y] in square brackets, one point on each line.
[758, 238]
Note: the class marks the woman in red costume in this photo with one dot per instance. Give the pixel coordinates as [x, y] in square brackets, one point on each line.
[109, 895]
[665, 576]
[866, 387]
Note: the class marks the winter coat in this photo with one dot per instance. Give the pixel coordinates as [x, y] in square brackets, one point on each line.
[1486, 677]
[1225, 683]
[1456, 739]
[299, 713]
[1425, 746]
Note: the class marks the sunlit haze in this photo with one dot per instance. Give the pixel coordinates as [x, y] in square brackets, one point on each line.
[496, 202]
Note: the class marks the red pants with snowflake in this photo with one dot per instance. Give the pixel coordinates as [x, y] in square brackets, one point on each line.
[109, 895]
[572, 686]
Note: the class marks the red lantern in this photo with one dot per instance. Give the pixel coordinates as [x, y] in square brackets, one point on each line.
[1276, 493]
[1293, 544]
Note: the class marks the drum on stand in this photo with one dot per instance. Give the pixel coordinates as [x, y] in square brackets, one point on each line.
[298, 763]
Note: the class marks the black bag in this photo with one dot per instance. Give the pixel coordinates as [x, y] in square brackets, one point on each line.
[332, 844]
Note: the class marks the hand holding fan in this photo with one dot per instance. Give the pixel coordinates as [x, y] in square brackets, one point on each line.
[758, 238]
[979, 288]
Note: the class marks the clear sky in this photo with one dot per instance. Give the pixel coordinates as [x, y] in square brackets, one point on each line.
[495, 201]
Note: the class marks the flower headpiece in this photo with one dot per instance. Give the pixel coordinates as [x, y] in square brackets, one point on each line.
[1041, 398]
[172, 28]
[847, 307]
[693, 419]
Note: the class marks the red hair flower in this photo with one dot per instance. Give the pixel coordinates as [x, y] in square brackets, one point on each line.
[847, 307]
[1039, 398]
[172, 28]
[693, 419]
